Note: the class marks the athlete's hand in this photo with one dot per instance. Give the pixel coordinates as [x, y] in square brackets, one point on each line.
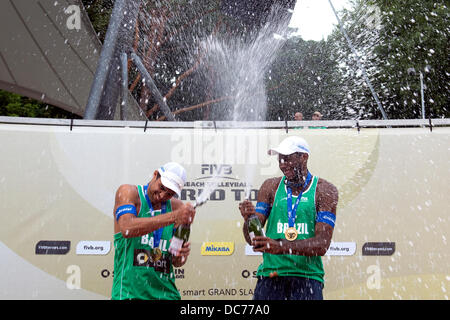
[185, 250]
[180, 258]
[268, 245]
[184, 214]
[247, 209]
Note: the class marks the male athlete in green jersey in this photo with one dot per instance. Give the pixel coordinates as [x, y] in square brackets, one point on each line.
[145, 217]
[300, 211]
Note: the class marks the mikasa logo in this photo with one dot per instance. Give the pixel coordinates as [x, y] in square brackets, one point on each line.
[217, 248]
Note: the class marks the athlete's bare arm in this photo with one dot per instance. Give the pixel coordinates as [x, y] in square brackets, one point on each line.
[131, 226]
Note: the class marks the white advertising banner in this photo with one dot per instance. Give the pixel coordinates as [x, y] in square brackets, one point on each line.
[57, 190]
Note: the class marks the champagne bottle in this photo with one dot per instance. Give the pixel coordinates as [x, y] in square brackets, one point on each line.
[180, 236]
[254, 227]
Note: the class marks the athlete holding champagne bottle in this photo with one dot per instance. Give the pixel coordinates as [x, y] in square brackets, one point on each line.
[145, 219]
[300, 212]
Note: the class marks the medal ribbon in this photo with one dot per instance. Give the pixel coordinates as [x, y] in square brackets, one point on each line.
[157, 234]
[292, 211]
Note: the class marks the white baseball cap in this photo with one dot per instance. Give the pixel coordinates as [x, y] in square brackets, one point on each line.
[173, 176]
[290, 145]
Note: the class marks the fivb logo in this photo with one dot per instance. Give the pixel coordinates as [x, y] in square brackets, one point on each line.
[73, 22]
[214, 169]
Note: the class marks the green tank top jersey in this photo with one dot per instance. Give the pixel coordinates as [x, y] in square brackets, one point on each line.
[136, 275]
[277, 223]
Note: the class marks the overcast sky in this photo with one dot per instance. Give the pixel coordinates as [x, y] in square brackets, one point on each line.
[315, 18]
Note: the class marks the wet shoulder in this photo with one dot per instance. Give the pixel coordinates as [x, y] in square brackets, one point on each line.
[326, 195]
[268, 190]
[324, 186]
[127, 193]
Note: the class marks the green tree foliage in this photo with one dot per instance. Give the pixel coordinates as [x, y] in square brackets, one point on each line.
[415, 34]
[14, 105]
[391, 37]
[306, 77]
[99, 12]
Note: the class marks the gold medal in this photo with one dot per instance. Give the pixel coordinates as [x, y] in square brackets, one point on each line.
[156, 254]
[291, 234]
